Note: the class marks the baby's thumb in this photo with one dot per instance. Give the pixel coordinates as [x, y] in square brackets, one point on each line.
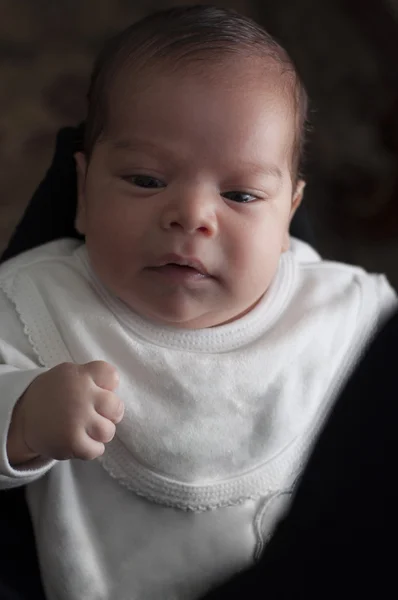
[103, 374]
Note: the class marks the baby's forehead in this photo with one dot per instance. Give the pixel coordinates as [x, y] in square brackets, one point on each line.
[132, 80]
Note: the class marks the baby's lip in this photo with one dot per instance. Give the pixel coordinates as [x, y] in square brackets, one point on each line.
[184, 261]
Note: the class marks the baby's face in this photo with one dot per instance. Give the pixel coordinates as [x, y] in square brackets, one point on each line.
[187, 199]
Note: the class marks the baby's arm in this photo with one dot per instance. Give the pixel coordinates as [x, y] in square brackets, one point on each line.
[35, 407]
[18, 368]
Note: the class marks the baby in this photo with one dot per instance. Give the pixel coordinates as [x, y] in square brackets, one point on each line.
[162, 383]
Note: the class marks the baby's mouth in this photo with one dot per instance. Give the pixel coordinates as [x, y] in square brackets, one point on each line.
[180, 270]
[182, 263]
[182, 267]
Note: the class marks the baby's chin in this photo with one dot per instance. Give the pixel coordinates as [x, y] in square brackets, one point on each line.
[184, 318]
[180, 319]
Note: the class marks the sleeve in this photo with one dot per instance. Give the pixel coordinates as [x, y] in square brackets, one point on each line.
[387, 299]
[18, 368]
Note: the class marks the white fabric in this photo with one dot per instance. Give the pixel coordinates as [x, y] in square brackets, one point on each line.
[303, 252]
[217, 422]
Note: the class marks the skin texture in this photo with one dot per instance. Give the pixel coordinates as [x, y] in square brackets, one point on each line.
[168, 177]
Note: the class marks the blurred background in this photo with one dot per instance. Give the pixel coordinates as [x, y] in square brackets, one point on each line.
[346, 52]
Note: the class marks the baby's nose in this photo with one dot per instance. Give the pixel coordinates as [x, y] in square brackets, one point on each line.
[192, 213]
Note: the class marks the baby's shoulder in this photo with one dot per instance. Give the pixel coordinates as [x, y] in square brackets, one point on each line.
[331, 272]
[335, 276]
[52, 252]
[345, 284]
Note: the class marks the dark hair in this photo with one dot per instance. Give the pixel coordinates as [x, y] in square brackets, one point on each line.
[188, 33]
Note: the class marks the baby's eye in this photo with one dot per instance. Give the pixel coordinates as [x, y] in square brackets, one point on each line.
[242, 197]
[146, 181]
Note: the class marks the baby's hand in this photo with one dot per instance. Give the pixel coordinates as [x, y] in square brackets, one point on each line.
[68, 412]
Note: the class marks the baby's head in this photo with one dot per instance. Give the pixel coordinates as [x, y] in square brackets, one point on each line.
[189, 178]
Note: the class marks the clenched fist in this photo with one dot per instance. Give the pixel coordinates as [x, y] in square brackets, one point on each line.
[71, 411]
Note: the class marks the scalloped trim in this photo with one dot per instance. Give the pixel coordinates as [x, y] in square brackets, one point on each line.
[26, 329]
[258, 482]
[175, 504]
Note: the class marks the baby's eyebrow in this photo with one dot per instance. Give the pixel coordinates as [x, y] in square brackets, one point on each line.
[129, 145]
[160, 151]
[124, 144]
[261, 169]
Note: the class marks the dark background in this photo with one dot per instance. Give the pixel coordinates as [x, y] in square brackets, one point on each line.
[345, 50]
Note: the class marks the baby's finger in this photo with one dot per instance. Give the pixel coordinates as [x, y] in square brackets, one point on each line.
[110, 406]
[101, 430]
[103, 374]
[89, 449]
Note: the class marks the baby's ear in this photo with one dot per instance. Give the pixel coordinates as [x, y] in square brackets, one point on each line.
[81, 169]
[297, 196]
[296, 201]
